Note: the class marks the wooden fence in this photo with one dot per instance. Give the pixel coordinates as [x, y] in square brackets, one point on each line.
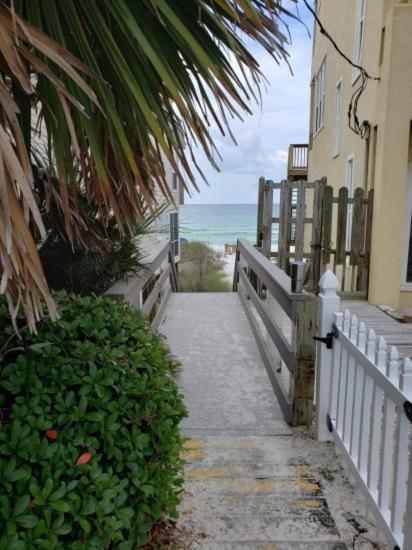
[150, 289]
[315, 224]
[364, 404]
[283, 324]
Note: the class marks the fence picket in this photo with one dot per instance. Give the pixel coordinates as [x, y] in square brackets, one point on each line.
[326, 226]
[300, 220]
[350, 386]
[400, 473]
[366, 407]
[282, 235]
[340, 255]
[388, 426]
[357, 398]
[316, 242]
[375, 433]
[267, 219]
[402, 480]
[342, 376]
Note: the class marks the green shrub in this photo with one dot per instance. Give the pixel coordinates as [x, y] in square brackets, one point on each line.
[89, 438]
[202, 269]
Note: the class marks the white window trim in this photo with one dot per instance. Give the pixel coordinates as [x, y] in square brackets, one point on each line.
[336, 138]
[317, 130]
[358, 46]
[175, 182]
[406, 231]
[349, 158]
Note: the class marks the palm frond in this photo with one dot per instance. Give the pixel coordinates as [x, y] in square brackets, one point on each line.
[111, 88]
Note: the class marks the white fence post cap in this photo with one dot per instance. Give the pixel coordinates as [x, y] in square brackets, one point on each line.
[328, 282]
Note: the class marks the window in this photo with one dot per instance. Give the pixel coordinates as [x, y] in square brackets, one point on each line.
[319, 106]
[174, 233]
[359, 32]
[350, 176]
[174, 181]
[338, 114]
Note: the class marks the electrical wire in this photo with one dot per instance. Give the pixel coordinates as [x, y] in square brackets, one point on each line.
[360, 128]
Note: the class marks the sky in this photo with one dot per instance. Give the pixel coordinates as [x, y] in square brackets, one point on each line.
[263, 138]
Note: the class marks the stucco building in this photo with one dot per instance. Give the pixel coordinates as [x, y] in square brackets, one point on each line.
[166, 226]
[376, 34]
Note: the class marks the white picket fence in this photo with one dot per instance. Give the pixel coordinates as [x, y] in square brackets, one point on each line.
[364, 395]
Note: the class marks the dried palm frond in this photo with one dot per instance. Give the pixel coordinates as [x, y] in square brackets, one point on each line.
[97, 93]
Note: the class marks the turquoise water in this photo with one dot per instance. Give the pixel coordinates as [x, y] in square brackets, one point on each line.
[220, 224]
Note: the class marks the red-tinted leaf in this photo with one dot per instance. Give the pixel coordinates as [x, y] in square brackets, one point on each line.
[52, 434]
[83, 459]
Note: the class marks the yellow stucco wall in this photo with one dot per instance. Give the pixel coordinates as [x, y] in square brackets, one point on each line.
[386, 104]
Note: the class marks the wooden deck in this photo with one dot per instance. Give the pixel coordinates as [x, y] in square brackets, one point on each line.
[395, 333]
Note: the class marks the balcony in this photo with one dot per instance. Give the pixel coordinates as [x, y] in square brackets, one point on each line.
[298, 161]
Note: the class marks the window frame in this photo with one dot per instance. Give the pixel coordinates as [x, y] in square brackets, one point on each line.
[319, 98]
[359, 37]
[337, 128]
[175, 185]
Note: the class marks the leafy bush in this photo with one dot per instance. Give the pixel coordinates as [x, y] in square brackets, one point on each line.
[89, 438]
[201, 269]
[90, 271]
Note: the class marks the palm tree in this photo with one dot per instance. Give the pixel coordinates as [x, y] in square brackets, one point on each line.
[94, 94]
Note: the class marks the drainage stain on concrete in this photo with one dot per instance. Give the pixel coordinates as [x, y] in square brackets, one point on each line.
[191, 444]
[308, 486]
[192, 454]
[206, 473]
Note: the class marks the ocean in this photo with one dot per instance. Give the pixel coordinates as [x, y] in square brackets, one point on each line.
[220, 224]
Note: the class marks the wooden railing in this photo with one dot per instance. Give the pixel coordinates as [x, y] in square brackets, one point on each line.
[150, 289]
[329, 228]
[364, 404]
[298, 160]
[283, 324]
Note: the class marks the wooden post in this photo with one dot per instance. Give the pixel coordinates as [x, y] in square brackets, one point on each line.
[303, 380]
[327, 205]
[235, 271]
[328, 305]
[340, 255]
[288, 223]
[300, 220]
[282, 228]
[267, 219]
[259, 234]
[316, 243]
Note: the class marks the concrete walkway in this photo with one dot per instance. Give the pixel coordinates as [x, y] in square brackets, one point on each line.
[251, 482]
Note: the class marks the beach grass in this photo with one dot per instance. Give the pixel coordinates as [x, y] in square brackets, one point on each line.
[202, 269]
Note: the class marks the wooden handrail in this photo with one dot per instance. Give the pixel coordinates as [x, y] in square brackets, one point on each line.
[274, 278]
[130, 289]
[257, 279]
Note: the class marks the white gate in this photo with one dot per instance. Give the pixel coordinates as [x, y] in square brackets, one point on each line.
[364, 394]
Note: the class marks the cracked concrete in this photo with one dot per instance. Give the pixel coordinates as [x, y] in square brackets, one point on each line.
[251, 482]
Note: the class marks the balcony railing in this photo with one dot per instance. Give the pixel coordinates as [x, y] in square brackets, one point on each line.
[298, 160]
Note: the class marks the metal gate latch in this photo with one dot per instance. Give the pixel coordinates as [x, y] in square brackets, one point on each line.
[328, 339]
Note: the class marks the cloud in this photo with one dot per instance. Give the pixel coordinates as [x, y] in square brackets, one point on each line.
[263, 138]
